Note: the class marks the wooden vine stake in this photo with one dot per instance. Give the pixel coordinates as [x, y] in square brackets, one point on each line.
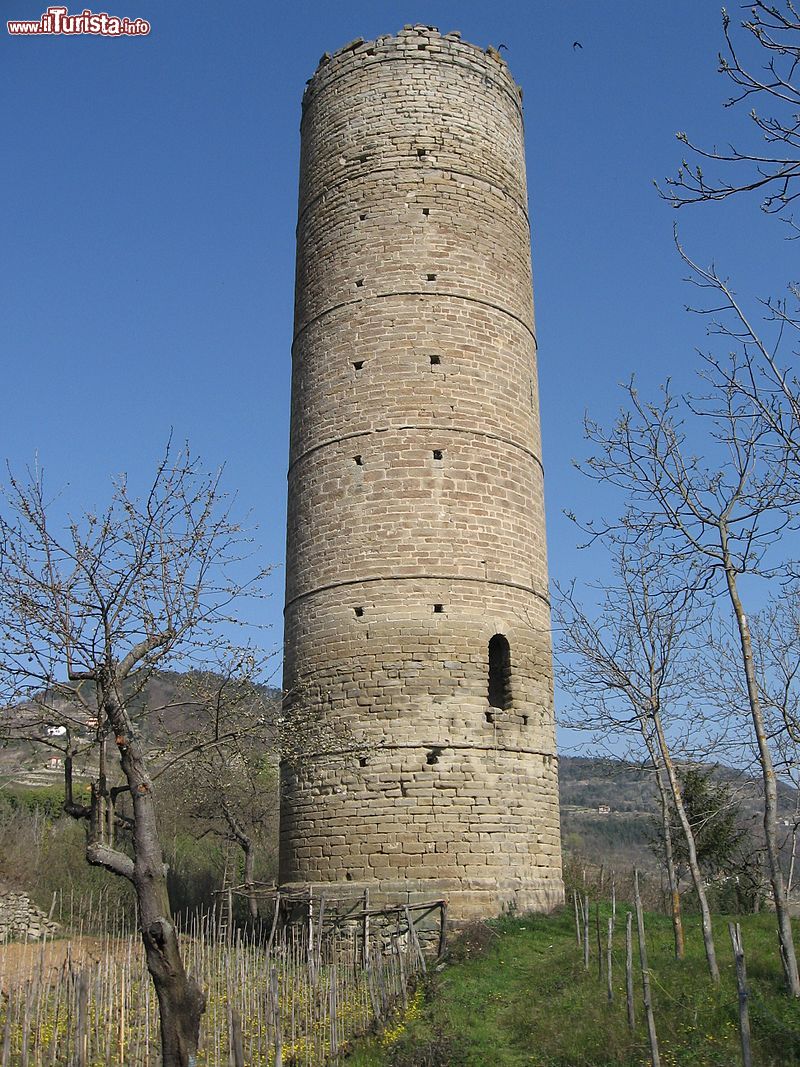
[629, 969]
[648, 1003]
[237, 1045]
[577, 917]
[586, 932]
[609, 986]
[741, 985]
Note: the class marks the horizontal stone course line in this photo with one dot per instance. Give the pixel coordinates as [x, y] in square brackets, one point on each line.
[416, 578]
[466, 430]
[324, 77]
[415, 745]
[398, 173]
[438, 294]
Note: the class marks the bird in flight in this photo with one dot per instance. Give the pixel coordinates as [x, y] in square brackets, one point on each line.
[576, 44]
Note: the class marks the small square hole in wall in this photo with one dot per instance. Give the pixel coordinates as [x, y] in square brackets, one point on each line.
[524, 720]
[489, 716]
[358, 460]
[359, 282]
[438, 454]
[358, 365]
[431, 277]
[362, 761]
[362, 216]
[438, 609]
[435, 360]
[359, 612]
[426, 211]
[422, 152]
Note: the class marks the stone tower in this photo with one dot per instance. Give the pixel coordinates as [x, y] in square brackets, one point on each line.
[417, 650]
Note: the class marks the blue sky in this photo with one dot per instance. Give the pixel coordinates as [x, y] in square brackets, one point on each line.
[150, 189]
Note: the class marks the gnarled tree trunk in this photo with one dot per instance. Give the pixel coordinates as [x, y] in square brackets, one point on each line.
[181, 1001]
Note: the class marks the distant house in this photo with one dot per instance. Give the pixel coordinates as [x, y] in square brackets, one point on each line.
[603, 809]
[91, 724]
[56, 731]
[55, 763]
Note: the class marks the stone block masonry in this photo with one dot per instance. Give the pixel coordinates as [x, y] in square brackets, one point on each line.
[417, 642]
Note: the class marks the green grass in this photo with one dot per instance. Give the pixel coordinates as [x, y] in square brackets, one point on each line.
[526, 999]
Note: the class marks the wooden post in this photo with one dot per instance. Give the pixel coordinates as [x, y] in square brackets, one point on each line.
[629, 970]
[365, 930]
[648, 1004]
[741, 985]
[237, 1045]
[274, 922]
[599, 941]
[613, 900]
[442, 931]
[609, 986]
[121, 1036]
[82, 1022]
[412, 933]
[5, 1059]
[276, 1004]
[586, 932]
[577, 918]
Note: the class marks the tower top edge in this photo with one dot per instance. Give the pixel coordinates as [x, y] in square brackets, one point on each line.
[412, 42]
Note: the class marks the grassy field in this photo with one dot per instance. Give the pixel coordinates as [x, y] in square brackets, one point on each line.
[517, 993]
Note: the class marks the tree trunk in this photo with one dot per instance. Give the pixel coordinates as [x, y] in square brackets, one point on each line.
[788, 957]
[249, 867]
[694, 867]
[246, 844]
[675, 897]
[181, 1001]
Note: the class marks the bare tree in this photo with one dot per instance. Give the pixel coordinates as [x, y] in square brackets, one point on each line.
[231, 790]
[772, 167]
[776, 649]
[88, 613]
[625, 664]
[724, 516]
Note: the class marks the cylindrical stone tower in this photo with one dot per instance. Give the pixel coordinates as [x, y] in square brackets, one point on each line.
[417, 649]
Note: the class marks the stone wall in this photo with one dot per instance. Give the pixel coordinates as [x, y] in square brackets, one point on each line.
[416, 502]
[21, 919]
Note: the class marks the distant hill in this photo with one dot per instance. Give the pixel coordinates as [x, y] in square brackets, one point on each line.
[622, 835]
[165, 709]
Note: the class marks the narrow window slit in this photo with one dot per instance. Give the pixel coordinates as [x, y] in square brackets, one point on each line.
[499, 672]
